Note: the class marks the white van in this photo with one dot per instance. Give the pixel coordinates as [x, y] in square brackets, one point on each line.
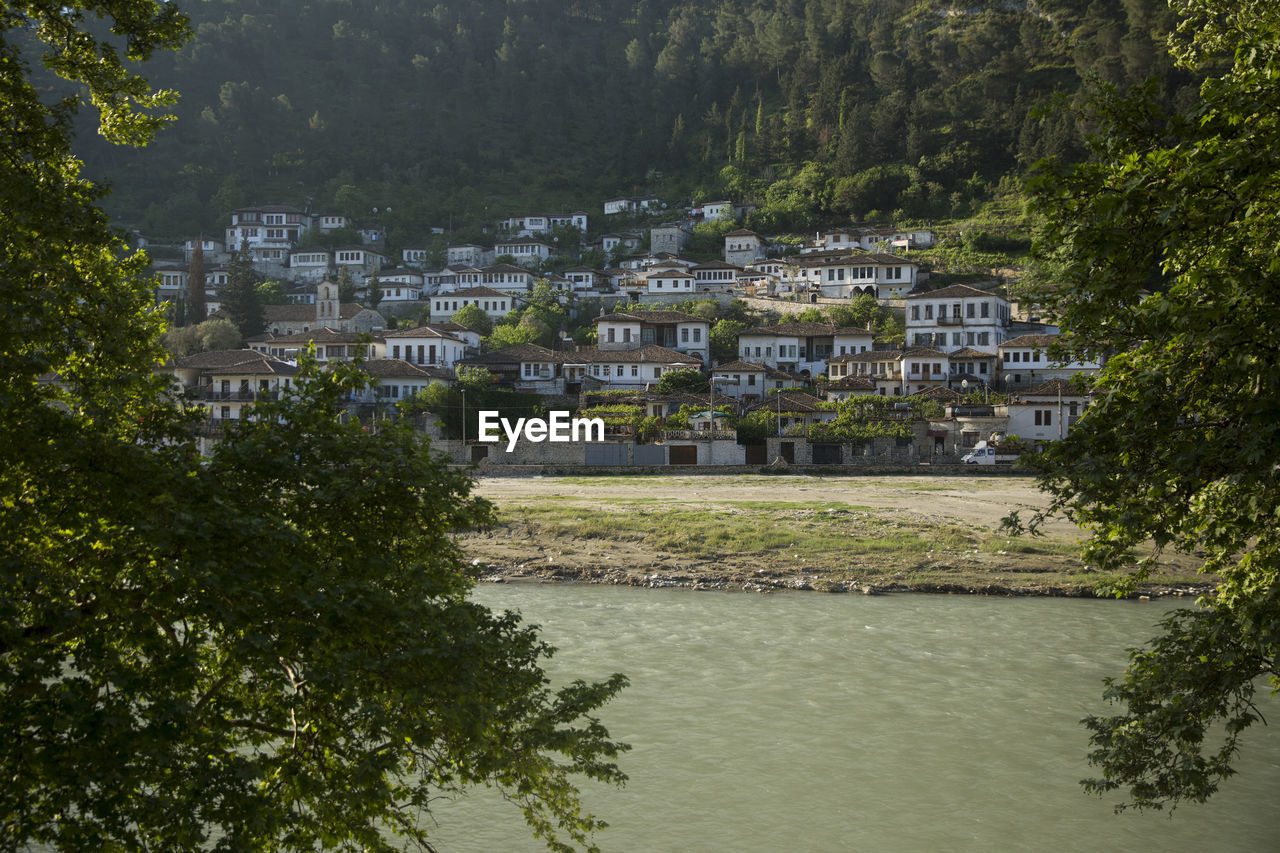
[983, 453]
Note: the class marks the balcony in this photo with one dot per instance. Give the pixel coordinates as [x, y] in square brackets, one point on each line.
[950, 321]
[210, 395]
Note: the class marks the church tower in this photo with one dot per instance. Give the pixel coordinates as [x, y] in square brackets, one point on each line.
[327, 305]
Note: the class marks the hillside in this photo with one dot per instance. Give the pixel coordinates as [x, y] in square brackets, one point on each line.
[455, 113]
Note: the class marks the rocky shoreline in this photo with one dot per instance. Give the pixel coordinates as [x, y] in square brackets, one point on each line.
[765, 581]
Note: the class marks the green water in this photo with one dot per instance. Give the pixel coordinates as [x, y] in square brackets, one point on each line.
[808, 722]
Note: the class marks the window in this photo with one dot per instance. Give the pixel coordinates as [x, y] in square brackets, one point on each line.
[697, 336]
[955, 339]
[1044, 417]
[657, 372]
[609, 335]
[968, 336]
[968, 439]
[635, 370]
[751, 380]
[986, 310]
[626, 336]
[684, 336]
[968, 310]
[928, 312]
[984, 339]
[955, 309]
[982, 367]
[395, 351]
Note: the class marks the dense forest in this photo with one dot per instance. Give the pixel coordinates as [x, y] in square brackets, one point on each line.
[464, 111]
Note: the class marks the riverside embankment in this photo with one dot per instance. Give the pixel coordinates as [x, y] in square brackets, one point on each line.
[759, 532]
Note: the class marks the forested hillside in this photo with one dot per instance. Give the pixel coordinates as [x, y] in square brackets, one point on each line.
[466, 110]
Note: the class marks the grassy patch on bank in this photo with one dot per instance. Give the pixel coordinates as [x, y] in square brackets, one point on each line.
[811, 532]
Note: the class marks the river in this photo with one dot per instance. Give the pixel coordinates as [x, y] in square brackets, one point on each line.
[809, 722]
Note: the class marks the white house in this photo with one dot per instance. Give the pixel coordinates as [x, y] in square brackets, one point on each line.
[1046, 412]
[327, 222]
[278, 225]
[585, 278]
[425, 345]
[672, 330]
[415, 256]
[400, 285]
[507, 278]
[668, 280]
[744, 380]
[743, 247]
[801, 348]
[359, 261]
[470, 255]
[527, 251]
[883, 368]
[618, 244]
[329, 344]
[876, 239]
[957, 316]
[538, 224]
[228, 382]
[1025, 362]
[495, 304]
[396, 379]
[896, 373]
[715, 210]
[850, 339]
[310, 264]
[629, 369]
[715, 277]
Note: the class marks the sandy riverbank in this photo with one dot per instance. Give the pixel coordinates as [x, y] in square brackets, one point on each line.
[760, 532]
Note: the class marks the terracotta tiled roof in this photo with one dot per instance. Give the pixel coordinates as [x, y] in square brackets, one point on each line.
[955, 291]
[321, 336]
[1032, 341]
[420, 332]
[244, 361]
[852, 383]
[386, 368]
[791, 330]
[791, 401]
[650, 354]
[652, 317]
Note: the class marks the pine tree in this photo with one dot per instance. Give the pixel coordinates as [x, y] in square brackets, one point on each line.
[240, 295]
[194, 310]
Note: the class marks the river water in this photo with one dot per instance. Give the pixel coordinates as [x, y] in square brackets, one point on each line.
[809, 722]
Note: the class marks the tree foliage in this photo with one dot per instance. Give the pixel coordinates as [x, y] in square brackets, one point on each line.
[239, 296]
[270, 648]
[688, 380]
[826, 110]
[1163, 248]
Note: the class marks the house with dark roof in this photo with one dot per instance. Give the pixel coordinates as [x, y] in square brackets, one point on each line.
[748, 381]
[1026, 361]
[799, 348]
[1046, 412]
[495, 304]
[676, 330]
[329, 345]
[631, 369]
[424, 346]
[743, 247]
[227, 382]
[956, 317]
